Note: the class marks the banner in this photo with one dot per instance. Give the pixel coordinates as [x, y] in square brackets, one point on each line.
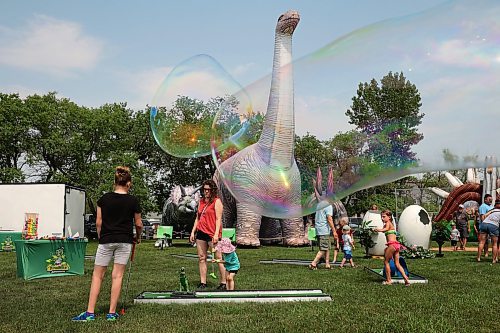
[7, 239]
[50, 258]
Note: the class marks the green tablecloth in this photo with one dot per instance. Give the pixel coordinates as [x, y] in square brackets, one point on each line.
[7, 239]
[50, 258]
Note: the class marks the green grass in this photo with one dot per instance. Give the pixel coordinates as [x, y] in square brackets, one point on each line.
[461, 296]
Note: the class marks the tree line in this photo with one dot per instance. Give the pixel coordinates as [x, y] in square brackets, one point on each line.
[54, 140]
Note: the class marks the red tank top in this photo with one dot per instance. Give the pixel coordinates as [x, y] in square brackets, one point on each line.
[207, 218]
[339, 235]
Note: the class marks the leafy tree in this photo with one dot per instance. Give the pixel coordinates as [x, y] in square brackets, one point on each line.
[389, 116]
[382, 196]
[311, 152]
[49, 139]
[343, 154]
[346, 149]
[197, 116]
[15, 146]
[57, 137]
[185, 129]
[82, 146]
[167, 170]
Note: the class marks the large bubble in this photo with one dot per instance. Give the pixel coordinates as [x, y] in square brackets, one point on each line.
[450, 53]
[184, 107]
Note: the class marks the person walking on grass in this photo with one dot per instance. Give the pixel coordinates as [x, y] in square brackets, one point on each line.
[337, 234]
[454, 236]
[392, 249]
[348, 246]
[231, 261]
[323, 223]
[490, 227]
[460, 217]
[483, 209]
[207, 230]
[117, 213]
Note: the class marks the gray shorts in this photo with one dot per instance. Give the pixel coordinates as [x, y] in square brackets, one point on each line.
[119, 251]
[324, 242]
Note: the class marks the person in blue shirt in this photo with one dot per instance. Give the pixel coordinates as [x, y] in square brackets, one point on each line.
[323, 223]
[231, 261]
[486, 206]
[490, 227]
[483, 209]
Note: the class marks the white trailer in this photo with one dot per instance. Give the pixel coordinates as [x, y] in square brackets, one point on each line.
[60, 208]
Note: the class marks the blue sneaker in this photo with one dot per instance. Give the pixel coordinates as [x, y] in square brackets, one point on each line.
[84, 316]
[112, 316]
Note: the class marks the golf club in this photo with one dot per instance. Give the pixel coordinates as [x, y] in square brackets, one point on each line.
[212, 275]
[122, 311]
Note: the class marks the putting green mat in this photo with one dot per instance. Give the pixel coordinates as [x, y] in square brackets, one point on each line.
[296, 262]
[167, 297]
[414, 278]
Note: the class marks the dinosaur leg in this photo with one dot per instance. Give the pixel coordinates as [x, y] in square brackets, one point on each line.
[247, 226]
[228, 214]
[294, 232]
[229, 204]
[270, 231]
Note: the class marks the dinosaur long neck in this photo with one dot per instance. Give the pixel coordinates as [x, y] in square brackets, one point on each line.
[277, 138]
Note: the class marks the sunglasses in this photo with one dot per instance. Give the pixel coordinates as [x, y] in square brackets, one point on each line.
[207, 189]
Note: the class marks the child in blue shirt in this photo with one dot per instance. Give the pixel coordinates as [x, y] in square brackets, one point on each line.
[348, 246]
[231, 261]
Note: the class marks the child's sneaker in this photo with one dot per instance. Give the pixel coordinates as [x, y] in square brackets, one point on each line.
[84, 316]
[221, 286]
[112, 316]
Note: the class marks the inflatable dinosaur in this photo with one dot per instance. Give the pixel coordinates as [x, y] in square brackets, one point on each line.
[180, 208]
[258, 165]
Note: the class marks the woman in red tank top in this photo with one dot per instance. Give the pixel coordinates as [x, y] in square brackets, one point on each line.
[207, 230]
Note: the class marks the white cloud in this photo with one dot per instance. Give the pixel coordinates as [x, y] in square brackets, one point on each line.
[49, 45]
[22, 91]
[141, 86]
[322, 117]
[462, 53]
[243, 69]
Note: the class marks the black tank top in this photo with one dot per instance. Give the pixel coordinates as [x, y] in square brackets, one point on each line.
[118, 212]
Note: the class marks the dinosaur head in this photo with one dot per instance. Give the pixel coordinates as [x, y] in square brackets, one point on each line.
[287, 22]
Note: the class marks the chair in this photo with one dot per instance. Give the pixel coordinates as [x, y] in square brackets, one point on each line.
[229, 233]
[311, 236]
[164, 233]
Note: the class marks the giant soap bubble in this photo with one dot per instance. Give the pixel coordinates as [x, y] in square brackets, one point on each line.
[450, 53]
[185, 104]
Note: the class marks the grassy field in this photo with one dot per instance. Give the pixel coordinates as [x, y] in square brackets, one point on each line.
[461, 296]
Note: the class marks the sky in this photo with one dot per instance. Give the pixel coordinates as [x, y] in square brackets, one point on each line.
[97, 52]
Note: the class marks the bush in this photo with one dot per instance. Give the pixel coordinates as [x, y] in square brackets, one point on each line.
[365, 236]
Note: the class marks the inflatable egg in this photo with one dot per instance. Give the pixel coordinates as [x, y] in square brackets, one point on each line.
[415, 226]
[379, 237]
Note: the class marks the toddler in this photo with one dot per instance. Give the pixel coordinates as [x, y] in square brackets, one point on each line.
[231, 261]
[348, 246]
[454, 236]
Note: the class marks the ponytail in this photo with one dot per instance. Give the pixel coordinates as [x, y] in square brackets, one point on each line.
[122, 175]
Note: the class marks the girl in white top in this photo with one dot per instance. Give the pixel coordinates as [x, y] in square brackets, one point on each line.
[490, 226]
